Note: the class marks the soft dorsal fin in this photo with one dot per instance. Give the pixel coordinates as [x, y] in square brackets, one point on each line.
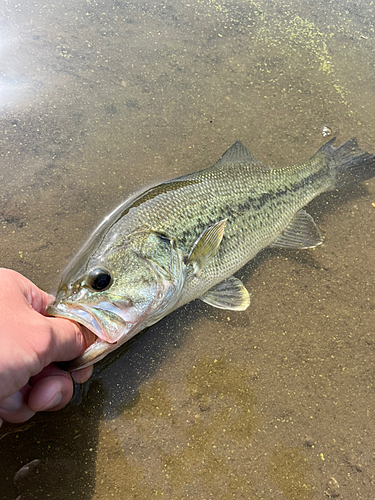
[237, 152]
[206, 246]
[302, 232]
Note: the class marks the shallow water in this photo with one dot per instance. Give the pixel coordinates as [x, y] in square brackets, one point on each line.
[100, 99]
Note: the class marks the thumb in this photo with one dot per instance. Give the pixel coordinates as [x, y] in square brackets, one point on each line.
[68, 339]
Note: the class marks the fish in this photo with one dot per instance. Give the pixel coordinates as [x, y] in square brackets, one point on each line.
[184, 239]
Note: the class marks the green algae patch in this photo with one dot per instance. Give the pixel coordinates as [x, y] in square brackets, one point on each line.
[290, 469]
[305, 34]
[221, 383]
[151, 401]
[199, 438]
[225, 415]
[293, 49]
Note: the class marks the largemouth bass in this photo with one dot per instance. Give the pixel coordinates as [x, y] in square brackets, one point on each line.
[184, 239]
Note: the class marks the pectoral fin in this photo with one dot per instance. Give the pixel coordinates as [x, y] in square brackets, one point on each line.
[229, 294]
[301, 233]
[206, 246]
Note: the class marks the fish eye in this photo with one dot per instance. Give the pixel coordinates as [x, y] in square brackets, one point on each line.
[99, 279]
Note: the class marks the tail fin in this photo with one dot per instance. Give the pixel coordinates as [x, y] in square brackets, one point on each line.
[348, 163]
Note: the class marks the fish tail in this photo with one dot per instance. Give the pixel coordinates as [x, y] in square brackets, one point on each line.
[348, 163]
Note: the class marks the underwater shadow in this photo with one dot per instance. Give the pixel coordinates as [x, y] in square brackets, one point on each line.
[54, 454]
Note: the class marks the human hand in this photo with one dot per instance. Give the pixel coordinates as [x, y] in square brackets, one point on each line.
[30, 343]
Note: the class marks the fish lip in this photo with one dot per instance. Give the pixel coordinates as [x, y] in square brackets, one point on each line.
[84, 316]
[92, 354]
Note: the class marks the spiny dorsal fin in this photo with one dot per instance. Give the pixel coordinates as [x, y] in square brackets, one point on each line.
[302, 232]
[229, 294]
[206, 246]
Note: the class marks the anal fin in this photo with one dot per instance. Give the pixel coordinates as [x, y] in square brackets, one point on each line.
[301, 233]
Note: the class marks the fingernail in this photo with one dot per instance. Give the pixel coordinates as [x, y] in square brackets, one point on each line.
[82, 375]
[54, 401]
[12, 403]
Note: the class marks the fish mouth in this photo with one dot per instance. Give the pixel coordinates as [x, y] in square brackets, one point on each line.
[111, 325]
[106, 325]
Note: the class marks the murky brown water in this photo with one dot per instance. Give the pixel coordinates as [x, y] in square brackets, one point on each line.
[99, 99]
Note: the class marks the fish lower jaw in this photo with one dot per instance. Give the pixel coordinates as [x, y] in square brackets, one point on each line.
[95, 352]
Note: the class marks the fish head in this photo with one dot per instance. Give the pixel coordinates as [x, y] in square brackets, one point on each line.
[118, 292]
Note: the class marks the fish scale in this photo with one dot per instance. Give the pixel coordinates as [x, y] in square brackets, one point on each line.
[259, 202]
[184, 239]
[255, 220]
